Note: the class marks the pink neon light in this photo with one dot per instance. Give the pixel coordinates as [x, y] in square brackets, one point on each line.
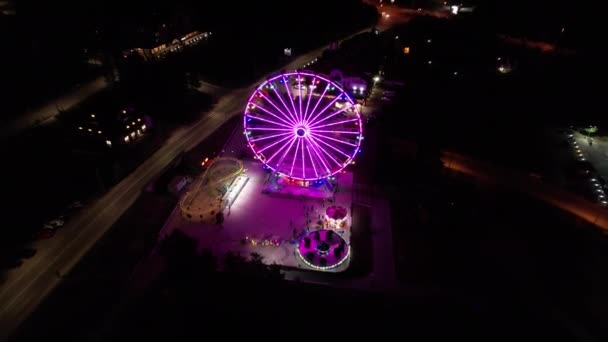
[330, 140]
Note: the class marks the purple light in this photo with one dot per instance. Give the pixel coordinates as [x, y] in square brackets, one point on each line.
[285, 131]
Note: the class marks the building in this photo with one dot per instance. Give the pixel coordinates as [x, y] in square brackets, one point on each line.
[111, 128]
[176, 45]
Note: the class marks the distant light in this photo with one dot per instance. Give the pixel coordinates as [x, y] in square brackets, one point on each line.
[429, 62]
[93, 115]
[455, 73]
[428, 40]
[90, 130]
[80, 128]
[98, 132]
[143, 127]
[128, 126]
[124, 111]
[396, 37]
[132, 134]
[406, 50]
[138, 119]
[455, 9]
[109, 143]
[127, 138]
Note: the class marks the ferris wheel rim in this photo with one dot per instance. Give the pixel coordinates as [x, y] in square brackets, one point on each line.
[325, 148]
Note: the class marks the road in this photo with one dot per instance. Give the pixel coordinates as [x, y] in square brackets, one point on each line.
[46, 113]
[548, 193]
[25, 287]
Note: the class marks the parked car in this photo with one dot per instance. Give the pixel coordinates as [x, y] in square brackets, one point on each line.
[44, 233]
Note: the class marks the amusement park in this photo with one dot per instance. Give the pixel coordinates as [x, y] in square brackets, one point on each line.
[290, 198]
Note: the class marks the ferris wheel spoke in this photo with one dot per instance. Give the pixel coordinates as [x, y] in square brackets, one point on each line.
[311, 89]
[280, 149]
[334, 148]
[334, 139]
[269, 129]
[286, 152]
[287, 117]
[312, 162]
[325, 151]
[291, 115]
[341, 132]
[273, 144]
[316, 124]
[319, 155]
[270, 121]
[312, 120]
[300, 97]
[293, 161]
[318, 102]
[287, 86]
[265, 137]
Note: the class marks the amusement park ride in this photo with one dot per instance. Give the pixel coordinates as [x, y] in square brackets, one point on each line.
[304, 129]
[303, 126]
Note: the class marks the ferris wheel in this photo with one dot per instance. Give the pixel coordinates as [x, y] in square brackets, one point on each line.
[303, 126]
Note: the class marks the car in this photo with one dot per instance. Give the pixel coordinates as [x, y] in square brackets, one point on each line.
[54, 224]
[44, 233]
[75, 205]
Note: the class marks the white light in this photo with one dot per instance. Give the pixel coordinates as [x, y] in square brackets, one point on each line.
[138, 120]
[128, 126]
[80, 128]
[455, 73]
[143, 127]
[396, 37]
[98, 132]
[127, 138]
[124, 111]
[429, 62]
[376, 78]
[109, 143]
[428, 40]
[454, 9]
[93, 115]
[132, 134]
[90, 130]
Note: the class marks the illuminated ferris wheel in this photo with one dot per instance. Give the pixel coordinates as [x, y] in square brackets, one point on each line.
[303, 126]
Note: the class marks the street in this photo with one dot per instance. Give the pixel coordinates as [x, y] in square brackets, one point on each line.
[551, 194]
